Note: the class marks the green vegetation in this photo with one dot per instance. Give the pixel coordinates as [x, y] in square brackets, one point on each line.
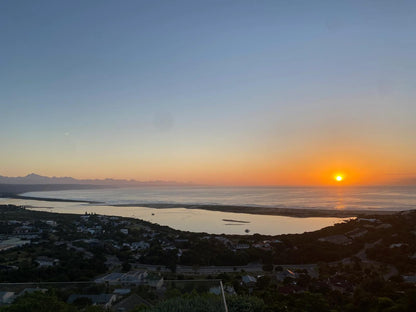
[39, 302]
[360, 265]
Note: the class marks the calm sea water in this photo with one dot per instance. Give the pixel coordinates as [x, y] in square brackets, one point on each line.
[217, 222]
[375, 197]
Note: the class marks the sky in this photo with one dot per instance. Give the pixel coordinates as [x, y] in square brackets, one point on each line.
[213, 92]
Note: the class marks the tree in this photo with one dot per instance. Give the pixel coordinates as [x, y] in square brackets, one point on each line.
[126, 266]
[39, 302]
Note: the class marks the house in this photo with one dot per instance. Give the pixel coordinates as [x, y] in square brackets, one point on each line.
[216, 290]
[12, 243]
[340, 284]
[356, 233]
[31, 290]
[51, 223]
[384, 226]
[112, 278]
[129, 278]
[6, 268]
[281, 276]
[133, 277]
[105, 300]
[249, 280]
[242, 246]
[397, 245]
[179, 253]
[223, 240]
[263, 245]
[93, 242]
[6, 297]
[140, 245]
[409, 278]
[46, 261]
[112, 262]
[24, 229]
[130, 304]
[85, 218]
[155, 280]
[91, 231]
[367, 220]
[181, 240]
[336, 239]
[122, 291]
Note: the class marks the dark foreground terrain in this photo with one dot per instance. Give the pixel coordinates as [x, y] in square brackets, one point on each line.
[104, 263]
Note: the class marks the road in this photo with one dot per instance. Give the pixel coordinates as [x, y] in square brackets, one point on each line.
[205, 270]
[258, 268]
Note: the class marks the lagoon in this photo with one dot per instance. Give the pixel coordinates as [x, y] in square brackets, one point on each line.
[193, 220]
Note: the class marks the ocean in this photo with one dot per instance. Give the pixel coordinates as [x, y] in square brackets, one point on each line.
[395, 198]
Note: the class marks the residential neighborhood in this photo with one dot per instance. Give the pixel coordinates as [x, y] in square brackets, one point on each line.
[109, 261]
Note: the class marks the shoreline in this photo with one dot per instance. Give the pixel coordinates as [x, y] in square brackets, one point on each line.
[17, 196]
[272, 211]
[286, 212]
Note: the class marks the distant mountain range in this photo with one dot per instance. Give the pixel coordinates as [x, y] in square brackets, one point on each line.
[38, 179]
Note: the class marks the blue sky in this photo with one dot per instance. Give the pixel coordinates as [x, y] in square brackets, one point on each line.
[210, 91]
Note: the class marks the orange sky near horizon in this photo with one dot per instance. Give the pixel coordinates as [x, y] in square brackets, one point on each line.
[300, 170]
[213, 92]
[307, 158]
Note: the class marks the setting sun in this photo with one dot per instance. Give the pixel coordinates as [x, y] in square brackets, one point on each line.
[339, 178]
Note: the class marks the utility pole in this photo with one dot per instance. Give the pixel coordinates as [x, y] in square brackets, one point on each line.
[223, 297]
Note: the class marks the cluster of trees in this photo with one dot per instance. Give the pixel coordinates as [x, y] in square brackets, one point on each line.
[46, 302]
[362, 300]
[394, 246]
[208, 303]
[212, 252]
[397, 244]
[73, 266]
